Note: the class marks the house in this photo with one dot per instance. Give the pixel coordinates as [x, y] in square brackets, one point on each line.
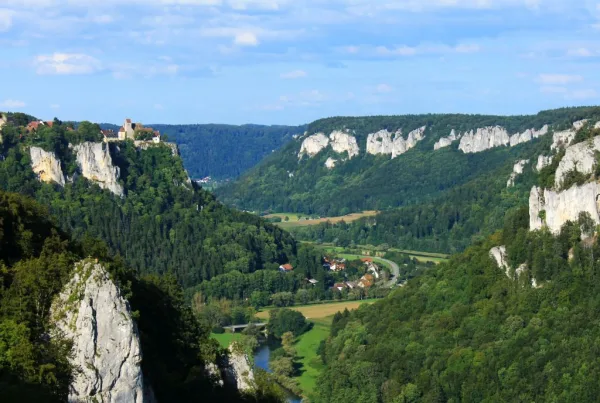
[340, 286]
[33, 126]
[373, 268]
[156, 137]
[109, 135]
[351, 284]
[313, 281]
[337, 266]
[286, 267]
[366, 260]
[366, 281]
[127, 131]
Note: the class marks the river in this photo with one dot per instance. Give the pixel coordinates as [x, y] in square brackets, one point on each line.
[261, 359]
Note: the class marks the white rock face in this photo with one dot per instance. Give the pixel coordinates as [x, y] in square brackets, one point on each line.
[543, 161]
[484, 139]
[343, 142]
[46, 166]
[96, 165]
[313, 145]
[579, 124]
[144, 145]
[527, 136]
[562, 139]
[447, 141]
[330, 163]
[380, 142]
[597, 125]
[400, 145]
[517, 170]
[578, 157]
[499, 255]
[238, 372]
[106, 348]
[560, 207]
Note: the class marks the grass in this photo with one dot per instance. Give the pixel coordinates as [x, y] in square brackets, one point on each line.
[319, 311]
[306, 348]
[225, 339]
[294, 219]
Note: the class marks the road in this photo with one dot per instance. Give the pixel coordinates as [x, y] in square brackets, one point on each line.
[395, 269]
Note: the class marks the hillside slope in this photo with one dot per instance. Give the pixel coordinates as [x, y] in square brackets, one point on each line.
[138, 198]
[438, 178]
[513, 318]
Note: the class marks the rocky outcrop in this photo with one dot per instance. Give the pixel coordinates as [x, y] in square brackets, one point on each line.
[313, 145]
[46, 166]
[543, 161]
[490, 137]
[527, 136]
[580, 124]
[400, 145]
[580, 157]
[447, 141]
[500, 256]
[96, 165]
[484, 139]
[144, 145]
[330, 163]
[238, 371]
[553, 209]
[517, 170]
[343, 142]
[380, 142]
[597, 125]
[92, 312]
[562, 138]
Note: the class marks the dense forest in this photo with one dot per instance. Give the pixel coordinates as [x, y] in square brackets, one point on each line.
[36, 260]
[467, 332]
[430, 200]
[164, 224]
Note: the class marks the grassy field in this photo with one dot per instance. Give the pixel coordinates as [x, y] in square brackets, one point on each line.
[319, 311]
[294, 219]
[422, 257]
[306, 348]
[225, 339]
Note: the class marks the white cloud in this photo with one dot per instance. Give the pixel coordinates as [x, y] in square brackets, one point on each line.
[559, 79]
[55, 106]
[426, 49]
[398, 51]
[12, 104]
[587, 93]
[580, 52]
[294, 74]
[5, 19]
[467, 48]
[382, 89]
[66, 64]
[548, 89]
[246, 39]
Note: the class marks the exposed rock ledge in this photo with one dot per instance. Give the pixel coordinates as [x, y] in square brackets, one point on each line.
[580, 157]
[46, 166]
[517, 170]
[384, 142]
[554, 209]
[343, 142]
[96, 165]
[447, 141]
[238, 371]
[313, 145]
[500, 257]
[330, 163]
[543, 161]
[495, 136]
[106, 349]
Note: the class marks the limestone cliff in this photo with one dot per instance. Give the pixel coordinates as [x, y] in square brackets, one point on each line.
[343, 142]
[92, 312]
[447, 141]
[484, 139]
[564, 138]
[96, 165]
[46, 166]
[400, 145]
[580, 157]
[330, 163]
[500, 257]
[238, 371]
[554, 209]
[517, 170]
[527, 136]
[313, 145]
[543, 161]
[384, 142]
[380, 142]
[144, 145]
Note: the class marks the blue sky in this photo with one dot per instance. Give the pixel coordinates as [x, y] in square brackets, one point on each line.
[294, 61]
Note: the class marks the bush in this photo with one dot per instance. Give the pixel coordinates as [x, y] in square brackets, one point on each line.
[287, 320]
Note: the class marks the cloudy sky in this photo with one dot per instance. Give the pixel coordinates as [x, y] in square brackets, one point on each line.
[294, 61]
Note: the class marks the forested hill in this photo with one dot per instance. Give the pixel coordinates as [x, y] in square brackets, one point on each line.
[514, 318]
[138, 198]
[224, 151]
[439, 180]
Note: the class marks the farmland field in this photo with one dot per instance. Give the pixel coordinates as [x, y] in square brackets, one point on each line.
[319, 311]
[294, 219]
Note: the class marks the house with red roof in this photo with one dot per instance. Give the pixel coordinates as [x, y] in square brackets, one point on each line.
[286, 268]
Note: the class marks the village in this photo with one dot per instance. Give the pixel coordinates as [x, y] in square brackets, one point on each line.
[338, 266]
